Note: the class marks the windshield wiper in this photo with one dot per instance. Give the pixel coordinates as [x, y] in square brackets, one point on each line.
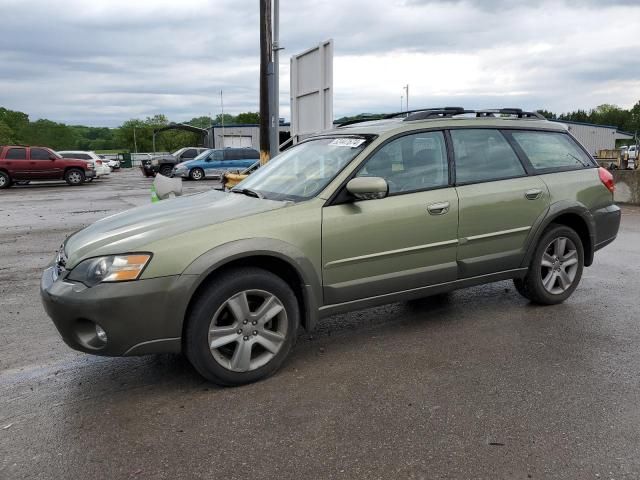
[248, 192]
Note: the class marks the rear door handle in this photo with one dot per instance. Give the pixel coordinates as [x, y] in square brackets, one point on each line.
[533, 194]
[438, 208]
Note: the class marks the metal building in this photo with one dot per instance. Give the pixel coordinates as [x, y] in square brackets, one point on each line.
[241, 135]
[595, 137]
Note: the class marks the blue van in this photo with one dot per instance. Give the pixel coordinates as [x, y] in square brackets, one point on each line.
[214, 162]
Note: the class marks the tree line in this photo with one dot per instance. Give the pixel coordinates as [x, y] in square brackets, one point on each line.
[17, 129]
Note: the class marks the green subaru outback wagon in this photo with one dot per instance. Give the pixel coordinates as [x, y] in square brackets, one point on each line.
[369, 213]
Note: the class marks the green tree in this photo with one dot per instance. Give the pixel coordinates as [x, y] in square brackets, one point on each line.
[248, 117]
[547, 114]
[7, 137]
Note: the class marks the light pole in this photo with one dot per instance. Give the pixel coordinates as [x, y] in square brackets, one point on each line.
[222, 116]
[406, 87]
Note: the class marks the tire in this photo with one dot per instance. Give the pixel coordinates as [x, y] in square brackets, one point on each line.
[196, 174]
[242, 290]
[5, 180]
[74, 177]
[165, 170]
[556, 267]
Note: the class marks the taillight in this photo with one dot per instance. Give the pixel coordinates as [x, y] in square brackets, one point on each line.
[98, 162]
[607, 179]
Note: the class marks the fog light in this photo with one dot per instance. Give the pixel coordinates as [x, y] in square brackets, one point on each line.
[101, 334]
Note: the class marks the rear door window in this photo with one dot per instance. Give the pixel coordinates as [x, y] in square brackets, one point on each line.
[482, 155]
[16, 154]
[190, 153]
[549, 151]
[39, 154]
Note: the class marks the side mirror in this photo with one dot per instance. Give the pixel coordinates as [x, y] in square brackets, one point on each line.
[368, 188]
[52, 157]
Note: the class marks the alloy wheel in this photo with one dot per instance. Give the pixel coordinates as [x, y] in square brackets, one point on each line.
[559, 265]
[196, 174]
[248, 330]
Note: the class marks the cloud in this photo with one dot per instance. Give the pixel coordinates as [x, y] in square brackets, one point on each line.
[103, 62]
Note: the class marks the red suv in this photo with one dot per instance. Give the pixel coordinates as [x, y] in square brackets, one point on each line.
[19, 163]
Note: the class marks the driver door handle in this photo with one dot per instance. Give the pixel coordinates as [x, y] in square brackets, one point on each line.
[533, 194]
[438, 208]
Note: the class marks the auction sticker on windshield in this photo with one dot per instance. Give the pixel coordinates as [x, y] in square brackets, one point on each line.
[347, 142]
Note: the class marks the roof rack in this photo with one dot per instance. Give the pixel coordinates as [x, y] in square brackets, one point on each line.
[446, 112]
[509, 111]
[362, 119]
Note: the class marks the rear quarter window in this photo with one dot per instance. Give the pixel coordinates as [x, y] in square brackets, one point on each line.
[16, 154]
[551, 150]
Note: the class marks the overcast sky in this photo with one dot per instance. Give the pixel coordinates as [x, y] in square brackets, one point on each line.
[101, 62]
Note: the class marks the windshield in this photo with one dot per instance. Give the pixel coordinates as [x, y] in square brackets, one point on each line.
[302, 171]
[204, 154]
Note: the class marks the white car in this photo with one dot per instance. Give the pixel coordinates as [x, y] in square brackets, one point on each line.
[101, 167]
[113, 164]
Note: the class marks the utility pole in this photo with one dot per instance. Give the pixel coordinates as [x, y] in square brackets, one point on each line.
[135, 144]
[266, 71]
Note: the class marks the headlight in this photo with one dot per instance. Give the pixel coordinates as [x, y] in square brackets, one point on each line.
[154, 162]
[90, 166]
[112, 268]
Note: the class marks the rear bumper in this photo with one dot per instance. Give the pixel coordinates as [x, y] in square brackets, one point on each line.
[139, 317]
[607, 223]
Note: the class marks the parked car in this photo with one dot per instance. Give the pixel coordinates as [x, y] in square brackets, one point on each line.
[100, 166]
[20, 163]
[367, 214]
[112, 163]
[164, 164]
[214, 163]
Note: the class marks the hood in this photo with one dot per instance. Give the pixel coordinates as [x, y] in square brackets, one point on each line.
[189, 162]
[164, 157]
[131, 230]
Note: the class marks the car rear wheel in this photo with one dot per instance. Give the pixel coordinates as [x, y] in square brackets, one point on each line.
[555, 269]
[5, 180]
[242, 327]
[74, 176]
[196, 174]
[166, 170]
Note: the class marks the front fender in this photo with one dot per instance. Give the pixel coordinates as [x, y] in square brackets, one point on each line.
[212, 260]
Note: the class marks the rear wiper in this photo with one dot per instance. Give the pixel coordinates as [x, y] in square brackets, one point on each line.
[248, 192]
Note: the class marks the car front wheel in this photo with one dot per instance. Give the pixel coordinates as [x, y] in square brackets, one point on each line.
[196, 174]
[166, 170]
[5, 180]
[74, 176]
[242, 327]
[555, 269]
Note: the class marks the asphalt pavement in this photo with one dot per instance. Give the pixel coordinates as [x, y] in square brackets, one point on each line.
[477, 384]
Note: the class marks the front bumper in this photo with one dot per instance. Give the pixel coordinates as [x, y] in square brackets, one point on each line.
[148, 170]
[180, 173]
[90, 174]
[139, 317]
